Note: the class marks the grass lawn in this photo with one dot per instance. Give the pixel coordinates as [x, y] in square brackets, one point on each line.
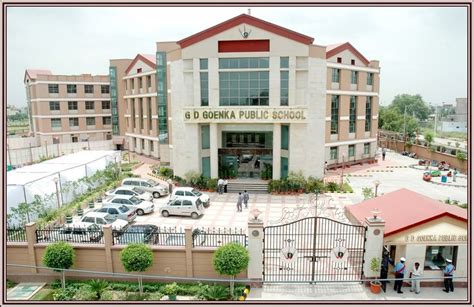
[45, 294]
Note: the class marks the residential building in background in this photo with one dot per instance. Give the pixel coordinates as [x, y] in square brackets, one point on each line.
[456, 122]
[68, 108]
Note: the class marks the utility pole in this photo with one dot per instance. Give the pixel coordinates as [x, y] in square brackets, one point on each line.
[405, 124]
[436, 121]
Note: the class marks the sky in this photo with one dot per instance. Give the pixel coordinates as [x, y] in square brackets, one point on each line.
[421, 50]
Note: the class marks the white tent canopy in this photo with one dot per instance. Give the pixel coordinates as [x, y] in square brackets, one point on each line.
[40, 179]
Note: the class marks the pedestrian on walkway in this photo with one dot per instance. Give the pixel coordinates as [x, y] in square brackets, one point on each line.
[239, 202]
[170, 186]
[448, 276]
[399, 271]
[246, 199]
[325, 167]
[225, 185]
[415, 275]
[455, 173]
[386, 260]
[220, 184]
[384, 152]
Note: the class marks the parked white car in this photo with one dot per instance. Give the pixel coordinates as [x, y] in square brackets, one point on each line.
[148, 185]
[191, 192]
[100, 219]
[130, 191]
[186, 205]
[131, 202]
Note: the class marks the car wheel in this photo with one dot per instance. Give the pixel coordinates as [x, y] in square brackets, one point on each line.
[156, 195]
[194, 215]
[165, 213]
[140, 212]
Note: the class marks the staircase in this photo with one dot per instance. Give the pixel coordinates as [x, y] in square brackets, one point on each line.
[251, 185]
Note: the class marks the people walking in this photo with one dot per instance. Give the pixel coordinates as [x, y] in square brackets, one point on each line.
[170, 186]
[386, 260]
[246, 197]
[399, 271]
[220, 184]
[415, 275]
[325, 167]
[225, 185]
[384, 152]
[455, 173]
[448, 276]
[239, 202]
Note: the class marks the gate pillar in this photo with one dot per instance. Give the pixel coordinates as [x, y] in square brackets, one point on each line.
[255, 248]
[374, 244]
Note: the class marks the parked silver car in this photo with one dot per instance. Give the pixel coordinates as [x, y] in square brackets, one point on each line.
[130, 191]
[148, 185]
[131, 202]
[119, 211]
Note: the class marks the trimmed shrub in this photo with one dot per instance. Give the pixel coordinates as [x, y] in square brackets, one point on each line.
[59, 256]
[85, 293]
[166, 172]
[212, 184]
[231, 259]
[332, 187]
[137, 258]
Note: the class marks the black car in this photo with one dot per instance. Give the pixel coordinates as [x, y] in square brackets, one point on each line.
[138, 234]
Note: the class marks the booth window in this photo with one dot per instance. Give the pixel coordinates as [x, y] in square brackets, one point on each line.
[435, 257]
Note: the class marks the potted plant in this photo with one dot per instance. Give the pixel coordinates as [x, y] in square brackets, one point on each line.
[375, 285]
[80, 211]
[171, 290]
[91, 204]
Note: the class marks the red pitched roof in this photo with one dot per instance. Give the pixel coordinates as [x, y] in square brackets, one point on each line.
[332, 50]
[403, 209]
[33, 73]
[247, 19]
[148, 59]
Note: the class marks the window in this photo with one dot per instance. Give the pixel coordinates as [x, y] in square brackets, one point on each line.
[244, 88]
[435, 257]
[353, 62]
[204, 89]
[105, 89]
[72, 105]
[88, 89]
[334, 114]
[284, 62]
[285, 136]
[366, 148]
[370, 78]
[143, 143]
[55, 123]
[187, 203]
[333, 153]
[335, 75]
[71, 89]
[54, 106]
[105, 105]
[339, 60]
[139, 70]
[179, 193]
[151, 146]
[140, 83]
[90, 105]
[238, 63]
[74, 139]
[106, 120]
[148, 81]
[205, 137]
[140, 115]
[73, 122]
[354, 77]
[368, 114]
[203, 64]
[90, 121]
[351, 151]
[53, 88]
[132, 83]
[352, 114]
[150, 126]
[284, 85]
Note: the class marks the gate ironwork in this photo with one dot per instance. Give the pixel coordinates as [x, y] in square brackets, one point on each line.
[313, 249]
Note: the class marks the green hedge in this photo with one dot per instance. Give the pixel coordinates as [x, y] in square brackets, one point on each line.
[297, 183]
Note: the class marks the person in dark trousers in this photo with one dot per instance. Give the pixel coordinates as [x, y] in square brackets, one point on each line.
[246, 199]
[386, 260]
[225, 185]
[448, 276]
[384, 152]
[239, 202]
[220, 184]
[399, 271]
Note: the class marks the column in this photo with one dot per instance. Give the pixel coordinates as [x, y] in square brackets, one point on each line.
[276, 151]
[188, 243]
[255, 248]
[108, 243]
[214, 150]
[31, 240]
[373, 244]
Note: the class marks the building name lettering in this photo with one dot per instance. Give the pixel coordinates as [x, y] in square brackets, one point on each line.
[267, 115]
[436, 238]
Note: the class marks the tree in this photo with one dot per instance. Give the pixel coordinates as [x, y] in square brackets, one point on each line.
[368, 193]
[391, 120]
[59, 256]
[414, 105]
[137, 258]
[231, 259]
[428, 138]
[98, 287]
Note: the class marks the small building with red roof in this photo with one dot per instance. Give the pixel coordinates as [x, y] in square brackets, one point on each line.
[420, 229]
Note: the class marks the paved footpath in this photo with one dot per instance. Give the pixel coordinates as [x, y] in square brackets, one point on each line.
[349, 291]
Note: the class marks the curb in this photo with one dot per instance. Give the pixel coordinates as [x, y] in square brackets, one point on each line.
[449, 185]
[380, 170]
[394, 166]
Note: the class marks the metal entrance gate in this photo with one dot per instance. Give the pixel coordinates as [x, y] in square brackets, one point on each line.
[314, 249]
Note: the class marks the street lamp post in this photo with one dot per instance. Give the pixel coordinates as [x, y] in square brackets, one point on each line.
[56, 181]
[316, 192]
[377, 183]
[342, 170]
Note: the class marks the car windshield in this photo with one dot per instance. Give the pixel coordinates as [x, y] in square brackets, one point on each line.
[196, 192]
[152, 182]
[123, 209]
[109, 218]
[138, 190]
[135, 200]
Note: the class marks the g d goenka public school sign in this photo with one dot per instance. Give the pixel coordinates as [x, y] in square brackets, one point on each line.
[246, 114]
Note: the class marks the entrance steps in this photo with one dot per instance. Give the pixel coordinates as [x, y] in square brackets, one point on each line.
[251, 185]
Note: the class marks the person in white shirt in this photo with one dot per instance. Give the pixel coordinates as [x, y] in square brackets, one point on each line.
[220, 185]
[415, 275]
